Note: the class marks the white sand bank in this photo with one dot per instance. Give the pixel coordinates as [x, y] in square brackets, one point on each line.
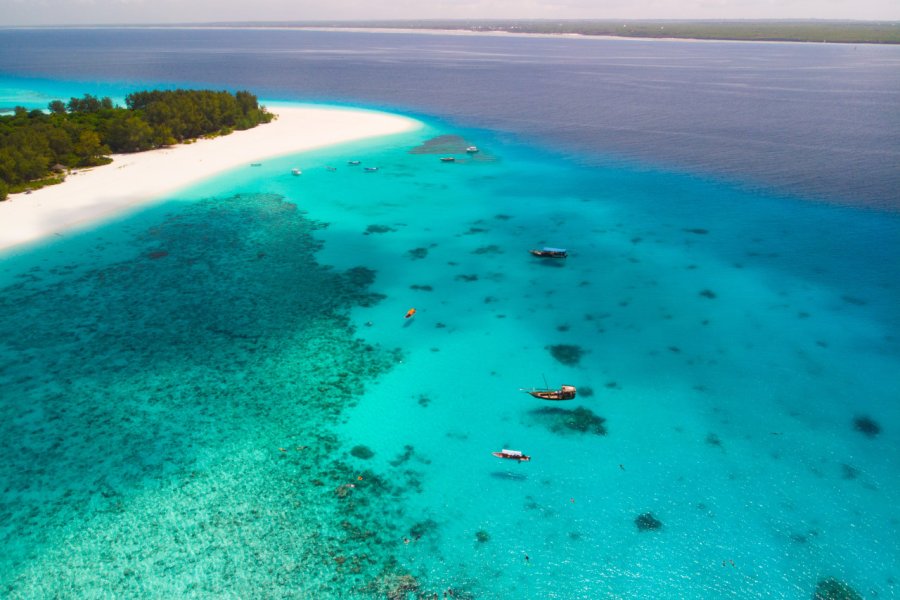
[131, 179]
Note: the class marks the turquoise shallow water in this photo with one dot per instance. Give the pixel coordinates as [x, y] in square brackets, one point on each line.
[219, 396]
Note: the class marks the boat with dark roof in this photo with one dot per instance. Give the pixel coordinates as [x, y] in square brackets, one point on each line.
[547, 252]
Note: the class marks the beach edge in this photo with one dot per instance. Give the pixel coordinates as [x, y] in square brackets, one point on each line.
[96, 194]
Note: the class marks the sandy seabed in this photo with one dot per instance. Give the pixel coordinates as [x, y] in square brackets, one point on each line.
[131, 179]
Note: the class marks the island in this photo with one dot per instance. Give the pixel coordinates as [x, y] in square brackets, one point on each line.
[756, 30]
[92, 194]
[38, 147]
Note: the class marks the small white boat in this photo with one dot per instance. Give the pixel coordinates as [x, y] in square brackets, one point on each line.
[353, 163]
[296, 172]
[472, 149]
[512, 455]
[370, 169]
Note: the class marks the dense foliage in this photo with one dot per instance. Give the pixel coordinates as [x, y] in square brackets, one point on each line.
[81, 133]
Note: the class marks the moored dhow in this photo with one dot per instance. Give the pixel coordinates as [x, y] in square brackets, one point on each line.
[566, 392]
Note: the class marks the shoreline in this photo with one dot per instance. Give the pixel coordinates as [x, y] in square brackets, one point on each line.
[462, 32]
[95, 194]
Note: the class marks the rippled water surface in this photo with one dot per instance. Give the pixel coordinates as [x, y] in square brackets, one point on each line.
[219, 396]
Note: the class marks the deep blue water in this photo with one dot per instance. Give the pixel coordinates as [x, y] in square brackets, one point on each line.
[218, 395]
[818, 121]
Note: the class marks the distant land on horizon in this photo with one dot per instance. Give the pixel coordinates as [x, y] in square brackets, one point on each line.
[793, 30]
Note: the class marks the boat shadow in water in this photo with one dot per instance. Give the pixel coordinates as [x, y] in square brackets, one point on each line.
[509, 476]
[569, 421]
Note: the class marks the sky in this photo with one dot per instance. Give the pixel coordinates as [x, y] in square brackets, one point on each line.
[105, 12]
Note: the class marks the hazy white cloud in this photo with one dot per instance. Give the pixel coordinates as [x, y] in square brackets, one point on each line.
[67, 12]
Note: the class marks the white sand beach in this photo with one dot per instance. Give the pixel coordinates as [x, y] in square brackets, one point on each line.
[131, 179]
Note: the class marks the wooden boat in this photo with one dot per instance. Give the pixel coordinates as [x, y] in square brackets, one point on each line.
[448, 159]
[566, 392]
[547, 252]
[512, 455]
[353, 163]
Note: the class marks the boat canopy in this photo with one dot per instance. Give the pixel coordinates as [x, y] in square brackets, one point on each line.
[511, 452]
[548, 249]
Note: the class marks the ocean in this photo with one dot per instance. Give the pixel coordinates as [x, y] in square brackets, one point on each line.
[219, 395]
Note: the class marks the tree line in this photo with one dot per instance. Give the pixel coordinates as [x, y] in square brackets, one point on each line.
[37, 147]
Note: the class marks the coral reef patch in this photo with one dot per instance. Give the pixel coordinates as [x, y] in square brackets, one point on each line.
[567, 354]
[219, 395]
[866, 426]
[570, 421]
[442, 144]
[647, 522]
[835, 589]
[363, 452]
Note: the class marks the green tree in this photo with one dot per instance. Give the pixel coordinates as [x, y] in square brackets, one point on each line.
[127, 133]
[57, 107]
[89, 104]
[60, 142]
[89, 149]
[82, 131]
[7, 166]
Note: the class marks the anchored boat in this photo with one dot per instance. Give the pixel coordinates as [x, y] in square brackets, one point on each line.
[512, 455]
[566, 392]
[547, 252]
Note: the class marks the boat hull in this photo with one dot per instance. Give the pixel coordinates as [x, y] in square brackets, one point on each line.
[548, 254]
[567, 392]
[520, 458]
